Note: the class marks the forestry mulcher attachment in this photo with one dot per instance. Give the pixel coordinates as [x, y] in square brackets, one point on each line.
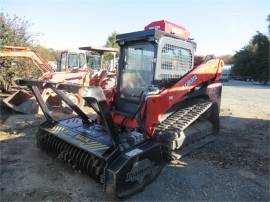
[161, 108]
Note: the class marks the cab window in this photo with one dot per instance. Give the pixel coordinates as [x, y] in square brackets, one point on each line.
[63, 61]
[93, 61]
[82, 60]
[73, 61]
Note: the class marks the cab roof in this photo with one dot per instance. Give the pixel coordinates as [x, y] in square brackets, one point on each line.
[147, 35]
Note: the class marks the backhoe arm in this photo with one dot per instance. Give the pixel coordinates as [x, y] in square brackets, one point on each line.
[15, 51]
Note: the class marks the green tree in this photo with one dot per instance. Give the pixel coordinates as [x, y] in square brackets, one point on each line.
[48, 54]
[253, 59]
[268, 20]
[228, 59]
[111, 40]
[14, 32]
[111, 43]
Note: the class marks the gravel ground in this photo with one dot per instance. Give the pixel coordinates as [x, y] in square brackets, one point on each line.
[235, 167]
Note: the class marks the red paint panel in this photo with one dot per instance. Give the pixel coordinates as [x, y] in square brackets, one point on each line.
[169, 27]
[159, 104]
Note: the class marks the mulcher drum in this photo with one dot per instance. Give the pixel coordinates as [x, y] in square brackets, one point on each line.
[82, 148]
[88, 148]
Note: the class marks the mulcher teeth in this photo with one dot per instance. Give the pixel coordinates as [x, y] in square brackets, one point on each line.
[77, 158]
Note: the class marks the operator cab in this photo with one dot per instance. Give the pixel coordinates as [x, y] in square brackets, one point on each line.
[95, 55]
[71, 61]
[148, 60]
[90, 57]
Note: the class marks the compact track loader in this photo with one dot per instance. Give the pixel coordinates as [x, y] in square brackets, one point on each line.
[161, 108]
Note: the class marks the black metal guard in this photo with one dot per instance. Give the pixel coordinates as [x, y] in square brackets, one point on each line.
[34, 84]
[41, 103]
[94, 96]
[41, 84]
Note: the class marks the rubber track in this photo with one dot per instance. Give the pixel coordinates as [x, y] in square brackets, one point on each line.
[77, 158]
[170, 130]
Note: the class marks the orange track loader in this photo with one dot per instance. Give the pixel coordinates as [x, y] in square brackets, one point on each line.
[161, 108]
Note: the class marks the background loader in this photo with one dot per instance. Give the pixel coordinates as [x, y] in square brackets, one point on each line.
[84, 68]
[161, 108]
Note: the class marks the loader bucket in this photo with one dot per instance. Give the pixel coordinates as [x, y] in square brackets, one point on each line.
[22, 101]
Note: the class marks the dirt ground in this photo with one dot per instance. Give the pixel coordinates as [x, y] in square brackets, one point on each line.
[235, 167]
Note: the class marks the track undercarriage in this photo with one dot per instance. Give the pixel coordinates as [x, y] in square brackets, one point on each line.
[188, 129]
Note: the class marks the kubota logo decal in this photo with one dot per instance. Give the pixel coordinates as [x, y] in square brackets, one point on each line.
[190, 81]
[155, 27]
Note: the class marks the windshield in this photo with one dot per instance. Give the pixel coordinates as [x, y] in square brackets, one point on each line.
[93, 61]
[138, 69]
[63, 61]
[73, 60]
[82, 59]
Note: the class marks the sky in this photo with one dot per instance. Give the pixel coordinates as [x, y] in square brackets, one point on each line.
[218, 26]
